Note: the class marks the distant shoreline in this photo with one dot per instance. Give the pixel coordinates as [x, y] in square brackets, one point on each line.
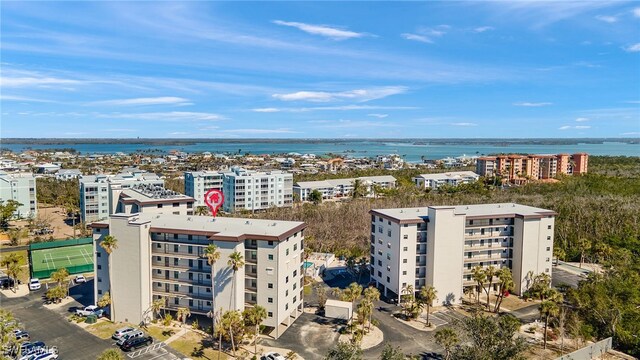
[416, 141]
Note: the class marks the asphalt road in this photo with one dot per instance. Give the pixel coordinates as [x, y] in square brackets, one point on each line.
[52, 327]
[563, 277]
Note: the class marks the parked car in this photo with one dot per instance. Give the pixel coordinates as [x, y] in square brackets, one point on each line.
[89, 310]
[21, 335]
[136, 342]
[131, 335]
[34, 284]
[7, 283]
[272, 356]
[52, 354]
[80, 279]
[121, 332]
[29, 348]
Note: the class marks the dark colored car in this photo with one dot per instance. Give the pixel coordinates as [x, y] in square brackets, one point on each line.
[137, 342]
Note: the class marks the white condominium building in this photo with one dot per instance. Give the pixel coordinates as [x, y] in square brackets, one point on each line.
[197, 183]
[336, 188]
[454, 178]
[20, 187]
[99, 194]
[161, 256]
[143, 198]
[440, 245]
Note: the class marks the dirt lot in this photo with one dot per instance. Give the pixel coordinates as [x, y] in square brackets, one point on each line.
[56, 218]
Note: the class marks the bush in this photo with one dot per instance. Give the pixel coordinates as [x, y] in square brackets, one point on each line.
[167, 320]
[195, 324]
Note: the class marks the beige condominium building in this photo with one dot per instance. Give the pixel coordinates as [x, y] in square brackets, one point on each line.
[440, 245]
[161, 256]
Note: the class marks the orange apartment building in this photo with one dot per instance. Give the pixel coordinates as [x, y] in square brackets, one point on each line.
[522, 168]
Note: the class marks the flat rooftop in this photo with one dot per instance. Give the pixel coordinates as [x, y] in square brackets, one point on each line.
[502, 209]
[219, 228]
[152, 193]
[449, 175]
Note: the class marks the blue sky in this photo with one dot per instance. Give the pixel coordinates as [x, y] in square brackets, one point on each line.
[320, 70]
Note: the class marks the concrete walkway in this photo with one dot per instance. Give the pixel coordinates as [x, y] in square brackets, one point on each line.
[176, 336]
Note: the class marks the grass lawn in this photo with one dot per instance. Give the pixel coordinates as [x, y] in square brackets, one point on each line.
[160, 333]
[22, 253]
[104, 329]
[191, 345]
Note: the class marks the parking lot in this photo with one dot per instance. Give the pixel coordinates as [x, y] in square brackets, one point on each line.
[73, 342]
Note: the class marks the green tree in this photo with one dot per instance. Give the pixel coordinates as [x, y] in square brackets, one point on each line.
[344, 351]
[14, 272]
[371, 294]
[110, 244]
[315, 197]
[584, 245]
[479, 276]
[212, 254]
[548, 309]
[236, 261]
[105, 300]
[15, 235]
[254, 316]
[428, 295]
[351, 293]
[182, 314]
[201, 211]
[7, 210]
[60, 276]
[55, 294]
[12, 258]
[447, 338]
[359, 189]
[490, 272]
[111, 354]
[156, 306]
[232, 326]
[489, 338]
[391, 353]
[7, 325]
[505, 285]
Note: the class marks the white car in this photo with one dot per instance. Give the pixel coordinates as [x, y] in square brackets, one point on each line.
[80, 279]
[91, 309]
[34, 284]
[272, 356]
[121, 332]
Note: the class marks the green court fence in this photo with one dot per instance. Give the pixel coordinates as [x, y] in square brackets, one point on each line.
[38, 272]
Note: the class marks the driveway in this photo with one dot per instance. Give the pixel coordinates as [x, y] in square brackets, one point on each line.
[560, 276]
[52, 327]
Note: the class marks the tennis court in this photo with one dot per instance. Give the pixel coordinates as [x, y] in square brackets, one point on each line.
[76, 258]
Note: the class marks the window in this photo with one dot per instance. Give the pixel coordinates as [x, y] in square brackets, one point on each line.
[286, 279]
[546, 270]
[547, 260]
[389, 232]
[175, 236]
[295, 247]
[404, 261]
[270, 300]
[99, 279]
[380, 241]
[159, 206]
[286, 306]
[380, 229]
[379, 262]
[548, 248]
[404, 273]
[379, 274]
[99, 266]
[388, 279]
[176, 287]
[270, 285]
[295, 298]
[175, 274]
[176, 204]
[404, 285]
[388, 245]
[176, 301]
[388, 268]
[549, 227]
[388, 256]
[295, 286]
[270, 243]
[295, 273]
[405, 249]
[287, 252]
[98, 253]
[270, 256]
[286, 292]
[548, 237]
[405, 237]
[270, 314]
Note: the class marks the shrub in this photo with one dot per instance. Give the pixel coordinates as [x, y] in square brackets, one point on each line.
[167, 320]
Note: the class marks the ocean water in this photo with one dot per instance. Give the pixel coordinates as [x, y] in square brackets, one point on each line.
[412, 151]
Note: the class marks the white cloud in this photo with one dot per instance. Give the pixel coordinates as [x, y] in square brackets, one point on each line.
[463, 124]
[636, 12]
[4, 97]
[532, 104]
[577, 127]
[582, 119]
[322, 30]
[482, 29]
[607, 18]
[341, 124]
[360, 95]
[162, 100]
[333, 108]
[35, 81]
[167, 116]
[379, 116]
[633, 48]
[416, 37]
[259, 131]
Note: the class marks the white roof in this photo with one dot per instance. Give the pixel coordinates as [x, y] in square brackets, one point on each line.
[449, 175]
[343, 182]
[338, 303]
[500, 209]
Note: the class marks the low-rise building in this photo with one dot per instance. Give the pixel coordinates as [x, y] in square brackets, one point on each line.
[161, 256]
[440, 245]
[20, 187]
[523, 168]
[144, 198]
[337, 188]
[68, 174]
[434, 181]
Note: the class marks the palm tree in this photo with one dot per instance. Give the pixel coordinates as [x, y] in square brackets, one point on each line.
[231, 320]
[446, 338]
[408, 293]
[490, 272]
[12, 258]
[479, 276]
[352, 294]
[428, 295]
[358, 189]
[255, 316]
[371, 294]
[236, 261]
[156, 306]
[13, 272]
[109, 244]
[364, 309]
[201, 211]
[583, 245]
[60, 277]
[183, 314]
[548, 309]
[212, 254]
[506, 284]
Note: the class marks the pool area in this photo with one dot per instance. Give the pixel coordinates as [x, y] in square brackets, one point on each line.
[308, 264]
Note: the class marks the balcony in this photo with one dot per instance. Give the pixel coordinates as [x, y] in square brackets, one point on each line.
[179, 254]
[491, 246]
[180, 268]
[484, 258]
[195, 282]
[182, 295]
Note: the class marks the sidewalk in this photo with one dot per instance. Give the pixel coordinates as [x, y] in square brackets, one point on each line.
[176, 336]
[23, 290]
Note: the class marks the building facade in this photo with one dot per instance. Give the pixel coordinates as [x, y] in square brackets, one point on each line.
[522, 168]
[151, 199]
[337, 188]
[161, 256]
[440, 245]
[197, 183]
[454, 178]
[20, 187]
[99, 194]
